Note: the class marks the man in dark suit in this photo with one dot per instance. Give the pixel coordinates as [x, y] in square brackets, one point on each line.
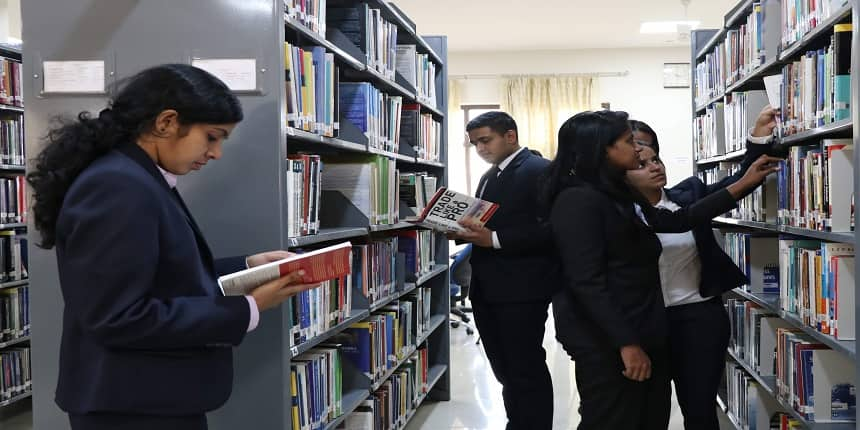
[513, 271]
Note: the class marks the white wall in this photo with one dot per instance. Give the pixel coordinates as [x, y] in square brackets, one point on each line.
[640, 93]
[10, 19]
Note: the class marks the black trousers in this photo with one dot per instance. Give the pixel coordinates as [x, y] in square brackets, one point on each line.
[512, 335]
[115, 421]
[610, 401]
[698, 338]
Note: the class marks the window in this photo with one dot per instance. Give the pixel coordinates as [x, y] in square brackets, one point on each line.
[464, 164]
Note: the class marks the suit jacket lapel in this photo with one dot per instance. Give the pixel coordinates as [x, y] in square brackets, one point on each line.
[136, 153]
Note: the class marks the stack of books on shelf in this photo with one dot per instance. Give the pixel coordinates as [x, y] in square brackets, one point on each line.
[759, 205]
[801, 17]
[312, 90]
[416, 190]
[758, 257]
[14, 259]
[815, 190]
[13, 200]
[709, 135]
[816, 381]
[817, 285]
[422, 132]
[368, 30]
[369, 182]
[374, 112]
[741, 110]
[417, 245]
[12, 141]
[816, 89]
[744, 46]
[421, 303]
[318, 310]
[749, 404]
[711, 76]
[389, 406]
[373, 268]
[11, 85]
[310, 13]
[316, 387]
[15, 378]
[419, 70]
[303, 189]
[15, 313]
[377, 345]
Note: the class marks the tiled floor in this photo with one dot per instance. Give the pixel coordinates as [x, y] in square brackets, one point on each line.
[476, 397]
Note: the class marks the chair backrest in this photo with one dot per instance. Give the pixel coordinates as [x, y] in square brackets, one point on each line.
[461, 268]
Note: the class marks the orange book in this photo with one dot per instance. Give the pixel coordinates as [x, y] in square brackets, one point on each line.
[320, 265]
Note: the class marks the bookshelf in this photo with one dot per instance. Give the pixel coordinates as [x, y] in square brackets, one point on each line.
[15, 407]
[241, 201]
[776, 55]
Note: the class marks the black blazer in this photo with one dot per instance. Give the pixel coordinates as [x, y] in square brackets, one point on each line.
[719, 272]
[146, 329]
[525, 269]
[612, 295]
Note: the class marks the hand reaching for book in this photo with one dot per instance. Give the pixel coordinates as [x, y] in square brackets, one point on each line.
[766, 122]
[755, 175]
[273, 293]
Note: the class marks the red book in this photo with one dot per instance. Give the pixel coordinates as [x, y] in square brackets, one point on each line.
[320, 265]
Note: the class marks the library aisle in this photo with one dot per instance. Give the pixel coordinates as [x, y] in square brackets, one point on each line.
[476, 396]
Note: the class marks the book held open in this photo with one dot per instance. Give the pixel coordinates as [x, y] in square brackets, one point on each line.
[320, 265]
[448, 208]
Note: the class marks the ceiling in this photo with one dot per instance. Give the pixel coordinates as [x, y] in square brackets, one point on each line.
[511, 25]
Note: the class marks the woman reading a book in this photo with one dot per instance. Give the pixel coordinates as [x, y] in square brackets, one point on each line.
[610, 315]
[147, 335]
[694, 272]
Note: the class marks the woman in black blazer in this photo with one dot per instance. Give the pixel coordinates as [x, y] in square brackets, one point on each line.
[147, 335]
[694, 272]
[610, 315]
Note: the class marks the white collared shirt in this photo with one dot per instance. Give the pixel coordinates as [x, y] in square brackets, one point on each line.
[504, 164]
[171, 179]
[680, 265]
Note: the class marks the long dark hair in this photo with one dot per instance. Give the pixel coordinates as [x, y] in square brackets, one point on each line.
[645, 128]
[197, 96]
[582, 144]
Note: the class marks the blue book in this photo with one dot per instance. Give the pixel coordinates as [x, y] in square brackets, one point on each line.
[320, 84]
[357, 347]
[353, 23]
[355, 104]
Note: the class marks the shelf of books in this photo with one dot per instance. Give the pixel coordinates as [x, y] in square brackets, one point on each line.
[792, 359]
[15, 381]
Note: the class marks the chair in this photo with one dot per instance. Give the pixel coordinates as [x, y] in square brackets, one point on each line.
[461, 276]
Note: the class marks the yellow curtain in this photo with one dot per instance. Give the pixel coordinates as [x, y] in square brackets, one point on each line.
[540, 104]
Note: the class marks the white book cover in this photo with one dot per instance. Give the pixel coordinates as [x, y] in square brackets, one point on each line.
[844, 293]
[841, 191]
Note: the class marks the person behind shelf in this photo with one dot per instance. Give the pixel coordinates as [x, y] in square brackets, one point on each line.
[694, 272]
[514, 272]
[609, 315]
[147, 334]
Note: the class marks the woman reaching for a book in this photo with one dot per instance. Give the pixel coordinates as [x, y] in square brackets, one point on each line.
[694, 273]
[147, 336]
[610, 314]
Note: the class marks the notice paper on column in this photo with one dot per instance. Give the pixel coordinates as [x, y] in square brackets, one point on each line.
[238, 74]
[76, 77]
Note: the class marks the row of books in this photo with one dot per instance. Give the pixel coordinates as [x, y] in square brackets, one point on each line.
[374, 268]
[11, 85]
[813, 190]
[818, 382]
[12, 141]
[416, 190]
[375, 113]
[741, 110]
[419, 71]
[417, 245]
[745, 46]
[14, 259]
[14, 313]
[757, 257]
[711, 75]
[759, 205]
[310, 13]
[13, 203]
[816, 89]
[316, 387]
[15, 375]
[366, 28]
[429, 136]
[379, 343]
[313, 83]
[318, 310]
[303, 177]
[749, 404]
[800, 17]
[817, 285]
[709, 132]
[389, 407]
[369, 182]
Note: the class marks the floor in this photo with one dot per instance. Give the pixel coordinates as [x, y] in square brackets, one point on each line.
[476, 399]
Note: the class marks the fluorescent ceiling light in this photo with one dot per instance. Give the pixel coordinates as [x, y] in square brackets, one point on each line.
[664, 27]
